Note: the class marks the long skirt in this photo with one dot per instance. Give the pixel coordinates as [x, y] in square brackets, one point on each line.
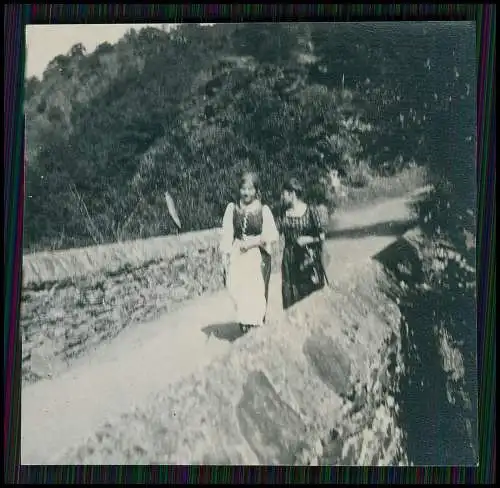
[295, 286]
[266, 274]
[247, 283]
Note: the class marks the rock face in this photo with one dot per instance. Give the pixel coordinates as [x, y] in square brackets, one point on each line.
[312, 387]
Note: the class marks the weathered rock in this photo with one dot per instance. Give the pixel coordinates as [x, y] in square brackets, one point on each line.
[329, 362]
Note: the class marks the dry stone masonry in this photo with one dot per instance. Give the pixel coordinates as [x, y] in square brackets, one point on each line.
[61, 322]
[67, 311]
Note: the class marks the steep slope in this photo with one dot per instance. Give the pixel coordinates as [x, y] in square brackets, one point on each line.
[186, 110]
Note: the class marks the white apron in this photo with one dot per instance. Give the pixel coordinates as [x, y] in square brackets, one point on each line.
[245, 284]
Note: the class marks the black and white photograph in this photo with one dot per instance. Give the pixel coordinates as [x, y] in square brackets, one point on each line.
[250, 244]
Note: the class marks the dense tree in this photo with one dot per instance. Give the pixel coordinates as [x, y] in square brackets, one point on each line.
[185, 110]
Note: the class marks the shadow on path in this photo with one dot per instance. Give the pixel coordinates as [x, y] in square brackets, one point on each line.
[389, 228]
[229, 331]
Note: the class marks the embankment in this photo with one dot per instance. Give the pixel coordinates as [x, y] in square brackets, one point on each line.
[312, 387]
[327, 383]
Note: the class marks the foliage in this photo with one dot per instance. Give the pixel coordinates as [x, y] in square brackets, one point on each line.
[108, 132]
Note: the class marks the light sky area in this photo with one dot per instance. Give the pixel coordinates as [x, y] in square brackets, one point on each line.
[45, 42]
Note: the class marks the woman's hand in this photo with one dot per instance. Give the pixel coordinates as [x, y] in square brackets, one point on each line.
[250, 243]
[304, 240]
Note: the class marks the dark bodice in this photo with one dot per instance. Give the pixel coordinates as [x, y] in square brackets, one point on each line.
[247, 223]
[305, 225]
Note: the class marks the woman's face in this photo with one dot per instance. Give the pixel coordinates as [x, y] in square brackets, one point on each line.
[248, 193]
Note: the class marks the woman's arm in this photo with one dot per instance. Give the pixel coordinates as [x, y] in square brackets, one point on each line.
[305, 240]
[319, 236]
[227, 239]
[270, 234]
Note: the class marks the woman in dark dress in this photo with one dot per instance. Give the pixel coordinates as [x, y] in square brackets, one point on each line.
[302, 270]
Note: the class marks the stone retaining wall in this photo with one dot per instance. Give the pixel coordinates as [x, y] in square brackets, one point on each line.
[70, 311]
[44, 269]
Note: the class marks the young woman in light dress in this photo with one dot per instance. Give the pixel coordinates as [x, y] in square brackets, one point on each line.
[248, 233]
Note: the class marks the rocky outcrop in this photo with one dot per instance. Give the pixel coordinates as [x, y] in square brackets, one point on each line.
[312, 387]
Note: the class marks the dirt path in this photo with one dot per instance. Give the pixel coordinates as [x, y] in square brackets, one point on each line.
[60, 412]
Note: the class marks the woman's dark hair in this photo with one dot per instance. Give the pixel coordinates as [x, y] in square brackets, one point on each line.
[293, 184]
[316, 193]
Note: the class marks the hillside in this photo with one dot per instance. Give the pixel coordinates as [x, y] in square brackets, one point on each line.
[184, 111]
